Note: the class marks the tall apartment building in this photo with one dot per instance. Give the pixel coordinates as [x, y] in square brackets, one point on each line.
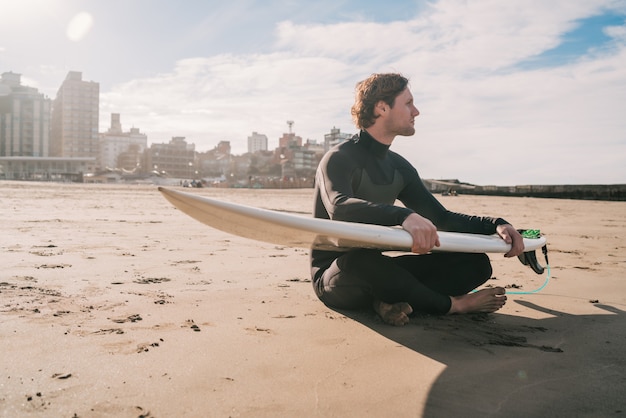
[257, 142]
[24, 119]
[74, 124]
[119, 149]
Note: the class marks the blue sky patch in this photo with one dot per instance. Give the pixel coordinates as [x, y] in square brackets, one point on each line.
[588, 35]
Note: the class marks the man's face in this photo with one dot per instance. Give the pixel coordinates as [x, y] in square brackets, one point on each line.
[401, 117]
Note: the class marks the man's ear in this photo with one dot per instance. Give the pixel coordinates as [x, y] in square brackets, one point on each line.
[380, 108]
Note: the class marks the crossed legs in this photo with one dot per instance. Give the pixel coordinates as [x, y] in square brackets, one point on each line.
[436, 283]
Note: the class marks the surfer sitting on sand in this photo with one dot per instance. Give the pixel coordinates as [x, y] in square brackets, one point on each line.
[358, 181]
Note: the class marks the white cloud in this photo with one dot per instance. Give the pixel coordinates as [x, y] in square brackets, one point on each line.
[484, 118]
[566, 120]
[228, 97]
[616, 32]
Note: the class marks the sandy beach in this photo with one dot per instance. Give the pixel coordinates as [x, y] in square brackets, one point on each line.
[115, 304]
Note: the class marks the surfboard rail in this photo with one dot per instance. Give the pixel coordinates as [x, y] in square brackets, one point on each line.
[293, 230]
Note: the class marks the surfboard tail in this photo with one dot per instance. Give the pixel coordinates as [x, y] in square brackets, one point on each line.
[529, 258]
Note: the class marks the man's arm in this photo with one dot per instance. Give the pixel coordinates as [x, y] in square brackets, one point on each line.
[418, 198]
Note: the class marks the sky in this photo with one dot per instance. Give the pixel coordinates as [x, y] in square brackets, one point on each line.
[510, 92]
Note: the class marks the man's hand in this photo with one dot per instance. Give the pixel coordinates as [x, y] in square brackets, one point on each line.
[423, 231]
[511, 236]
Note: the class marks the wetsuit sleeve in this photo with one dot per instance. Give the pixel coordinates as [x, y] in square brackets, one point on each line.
[335, 177]
[417, 197]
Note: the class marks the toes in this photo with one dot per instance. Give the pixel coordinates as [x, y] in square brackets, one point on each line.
[499, 291]
[400, 320]
[398, 314]
[404, 308]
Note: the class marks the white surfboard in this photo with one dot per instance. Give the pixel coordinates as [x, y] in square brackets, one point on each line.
[307, 232]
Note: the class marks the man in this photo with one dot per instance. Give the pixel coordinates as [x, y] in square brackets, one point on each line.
[359, 181]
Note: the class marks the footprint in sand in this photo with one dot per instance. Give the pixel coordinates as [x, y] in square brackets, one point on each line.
[151, 280]
[53, 266]
[131, 318]
[191, 324]
[109, 331]
[144, 347]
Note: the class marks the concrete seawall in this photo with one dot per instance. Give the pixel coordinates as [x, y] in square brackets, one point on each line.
[612, 192]
[570, 191]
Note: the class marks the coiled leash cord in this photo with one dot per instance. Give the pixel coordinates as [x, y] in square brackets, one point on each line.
[529, 259]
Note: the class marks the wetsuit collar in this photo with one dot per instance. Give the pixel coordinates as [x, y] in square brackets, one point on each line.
[378, 149]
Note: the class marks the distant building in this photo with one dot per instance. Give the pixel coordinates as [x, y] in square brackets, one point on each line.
[264, 163]
[295, 159]
[24, 119]
[45, 168]
[287, 144]
[313, 145]
[132, 158]
[289, 140]
[74, 124]
[119, 149]
[335, 137]
[216, 162]
[257, 142]
[223, 147]
[305, 160]
[174, 159]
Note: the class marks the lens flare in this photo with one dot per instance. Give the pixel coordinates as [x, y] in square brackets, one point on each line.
[79, 26]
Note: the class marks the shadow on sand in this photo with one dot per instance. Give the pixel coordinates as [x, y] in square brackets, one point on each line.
[508, 366]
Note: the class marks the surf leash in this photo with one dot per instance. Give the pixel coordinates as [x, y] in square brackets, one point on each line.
[530, 259]
[529, 292]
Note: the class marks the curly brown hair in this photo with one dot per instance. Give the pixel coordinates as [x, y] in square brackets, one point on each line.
[377, 87]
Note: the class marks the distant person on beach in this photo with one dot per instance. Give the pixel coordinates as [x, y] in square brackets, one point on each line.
[358, 181]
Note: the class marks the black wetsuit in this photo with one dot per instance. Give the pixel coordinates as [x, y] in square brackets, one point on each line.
[359, 181]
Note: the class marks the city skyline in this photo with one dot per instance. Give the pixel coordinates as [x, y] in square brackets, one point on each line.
[517, 93]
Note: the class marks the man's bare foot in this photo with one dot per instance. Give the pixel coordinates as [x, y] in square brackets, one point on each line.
[485, 300]
[396, 314]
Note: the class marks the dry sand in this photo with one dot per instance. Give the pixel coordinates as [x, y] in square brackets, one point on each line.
[113, 303]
